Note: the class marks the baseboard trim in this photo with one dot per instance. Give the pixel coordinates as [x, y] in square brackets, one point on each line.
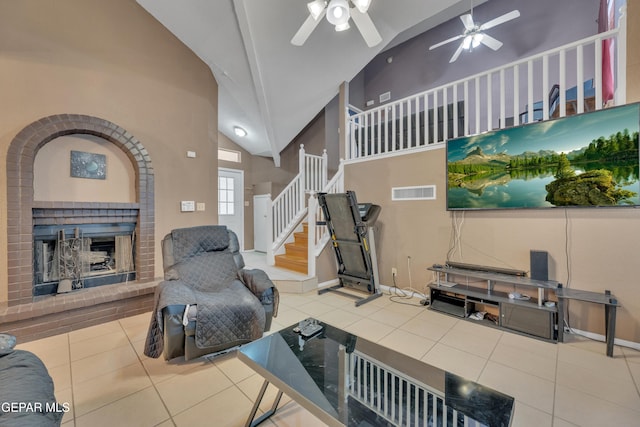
[602, 338]
[328, 283]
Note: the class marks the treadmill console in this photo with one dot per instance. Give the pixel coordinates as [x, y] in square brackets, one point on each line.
[364, 208]
[368, 213]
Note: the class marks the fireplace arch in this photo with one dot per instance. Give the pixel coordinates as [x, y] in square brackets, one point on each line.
[20, 160]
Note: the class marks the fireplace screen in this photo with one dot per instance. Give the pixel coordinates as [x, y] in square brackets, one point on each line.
[74, 257]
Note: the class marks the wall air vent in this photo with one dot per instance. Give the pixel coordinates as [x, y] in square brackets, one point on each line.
[421, 192]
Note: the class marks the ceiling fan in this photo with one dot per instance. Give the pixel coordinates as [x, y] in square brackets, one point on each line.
[338, 13]
[474, 34]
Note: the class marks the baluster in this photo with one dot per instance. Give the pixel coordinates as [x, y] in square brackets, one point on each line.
[477, 84]
[409, 133]
[445, 114]
[503, 101]
[580, 78]
[435, 117]
[465, 131]
[378, 131]
[563, 83]
[325, 168]
[417, 138]
[393, 125]
[516, 94]
[489, 103]
[530, 91]
[426, 119]
[545, 87]
[598, 77]
[455, 111]
[401, 120]
[367, 146]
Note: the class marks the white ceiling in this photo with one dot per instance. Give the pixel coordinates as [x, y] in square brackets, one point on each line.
[270, 87]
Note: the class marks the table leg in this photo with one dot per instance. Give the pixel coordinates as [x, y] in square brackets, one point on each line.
[561, 315]
[251, 422]
[610, 313]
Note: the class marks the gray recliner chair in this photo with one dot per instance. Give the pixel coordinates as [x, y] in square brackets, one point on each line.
[208, 301]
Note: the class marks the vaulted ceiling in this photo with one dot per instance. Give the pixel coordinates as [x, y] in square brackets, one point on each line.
[266, 85]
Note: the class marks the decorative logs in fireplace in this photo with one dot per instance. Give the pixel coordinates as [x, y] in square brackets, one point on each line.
[73, 256]
[99, 246]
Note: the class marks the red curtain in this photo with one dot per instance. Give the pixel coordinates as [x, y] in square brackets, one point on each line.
[606, 22]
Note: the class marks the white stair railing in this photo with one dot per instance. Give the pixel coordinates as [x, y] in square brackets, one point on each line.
[289, 207]
[318, 235]
[479, 103]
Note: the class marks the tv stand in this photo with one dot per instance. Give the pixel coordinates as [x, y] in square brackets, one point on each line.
[462, 291]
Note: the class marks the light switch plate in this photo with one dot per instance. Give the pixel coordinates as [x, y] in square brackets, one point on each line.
[187, 206]
[200, 206]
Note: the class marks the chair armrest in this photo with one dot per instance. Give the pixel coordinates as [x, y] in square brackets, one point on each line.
[261, 286]
[256, 281]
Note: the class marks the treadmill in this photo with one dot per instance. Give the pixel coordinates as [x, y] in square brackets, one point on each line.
[351, 227]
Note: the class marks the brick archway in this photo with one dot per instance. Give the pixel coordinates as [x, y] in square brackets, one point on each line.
[20, 203]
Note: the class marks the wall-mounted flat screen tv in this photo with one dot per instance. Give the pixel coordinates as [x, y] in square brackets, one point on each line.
[588, 159]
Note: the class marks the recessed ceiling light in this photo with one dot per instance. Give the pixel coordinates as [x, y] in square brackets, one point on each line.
[239, 131]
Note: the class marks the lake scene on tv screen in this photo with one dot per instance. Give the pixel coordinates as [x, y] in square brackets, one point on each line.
[588, 159]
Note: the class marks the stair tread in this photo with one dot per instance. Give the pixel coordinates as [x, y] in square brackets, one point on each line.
[292, 258]
[292, 263]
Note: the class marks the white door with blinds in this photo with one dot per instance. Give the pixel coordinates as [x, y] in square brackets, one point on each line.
[231, 201]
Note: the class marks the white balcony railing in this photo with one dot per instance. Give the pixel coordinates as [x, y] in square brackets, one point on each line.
[559, 82]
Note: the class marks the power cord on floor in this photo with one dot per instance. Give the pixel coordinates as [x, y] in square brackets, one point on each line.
[397, 294]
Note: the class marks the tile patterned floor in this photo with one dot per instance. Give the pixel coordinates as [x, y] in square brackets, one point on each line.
[103, 374]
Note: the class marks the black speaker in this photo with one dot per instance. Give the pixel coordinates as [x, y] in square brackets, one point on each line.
[539, 265]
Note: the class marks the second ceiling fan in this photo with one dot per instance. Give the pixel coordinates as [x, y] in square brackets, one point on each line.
[474, 34]
[338, 13]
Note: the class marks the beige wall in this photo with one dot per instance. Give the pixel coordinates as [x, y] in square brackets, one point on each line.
[600, 250]
[112, 60]
[53, 182]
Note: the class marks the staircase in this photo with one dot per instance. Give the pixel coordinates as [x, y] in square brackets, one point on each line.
[296, 253]
[296, 239]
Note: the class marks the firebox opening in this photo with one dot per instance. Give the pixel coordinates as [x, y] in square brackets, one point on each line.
[88, 255]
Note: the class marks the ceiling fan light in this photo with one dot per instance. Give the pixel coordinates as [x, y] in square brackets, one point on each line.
[477, 39]
[316, 7]
[343, 27]
[362, 5]
[239, 131]
[338, 12]
[466, 43]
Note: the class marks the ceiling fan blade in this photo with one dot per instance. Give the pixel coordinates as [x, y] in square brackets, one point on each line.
[367, 28]
[467, 21]
[500, 20]
[306, 29]
[457, 53]
[489, 41]
[452, 39]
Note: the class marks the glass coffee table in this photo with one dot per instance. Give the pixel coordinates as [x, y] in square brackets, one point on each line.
[345, 380]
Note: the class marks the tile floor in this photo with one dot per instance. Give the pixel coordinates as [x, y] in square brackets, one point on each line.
[103, 374]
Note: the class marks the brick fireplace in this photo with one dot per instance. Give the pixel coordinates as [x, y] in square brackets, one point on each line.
[29, 316]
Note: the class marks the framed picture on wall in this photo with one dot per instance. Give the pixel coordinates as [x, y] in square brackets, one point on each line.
[583, 160]
[88, 165]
